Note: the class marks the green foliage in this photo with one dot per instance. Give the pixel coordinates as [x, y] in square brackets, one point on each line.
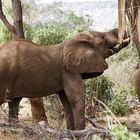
[54, 34]
[5, 35]
[100, 87]
[118, 132]
[122, 133]
[118, 104]
[129, 89]
[50, 35]
[29, 31]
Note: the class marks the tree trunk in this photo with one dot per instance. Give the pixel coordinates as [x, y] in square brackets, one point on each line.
[132, 9]
[17, 17]
[121, 20]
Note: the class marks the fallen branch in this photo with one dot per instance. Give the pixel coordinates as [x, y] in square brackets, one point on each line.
[112, 114]
[93, 123]
[82, 133]
[44, 132]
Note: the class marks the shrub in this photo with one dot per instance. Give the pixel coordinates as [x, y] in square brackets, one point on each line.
[118, 104]
[50, 35]
[5, 35]
[100, 87]
[118, 132]
[29, 31]
[122, 133]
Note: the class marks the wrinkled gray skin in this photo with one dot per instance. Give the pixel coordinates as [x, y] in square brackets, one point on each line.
[27, 70]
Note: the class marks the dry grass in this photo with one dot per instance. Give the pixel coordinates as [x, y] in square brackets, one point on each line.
[121, 72]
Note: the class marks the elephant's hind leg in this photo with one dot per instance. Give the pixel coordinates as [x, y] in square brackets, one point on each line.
[13, 109]
[38, 111]
[67, 110]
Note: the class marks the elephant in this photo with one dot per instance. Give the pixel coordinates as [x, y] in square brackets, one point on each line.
[29, 70]
[136, 80]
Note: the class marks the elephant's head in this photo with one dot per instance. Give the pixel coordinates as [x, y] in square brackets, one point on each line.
[86, 52]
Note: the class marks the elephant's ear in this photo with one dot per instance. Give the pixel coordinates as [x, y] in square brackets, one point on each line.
[79, 56]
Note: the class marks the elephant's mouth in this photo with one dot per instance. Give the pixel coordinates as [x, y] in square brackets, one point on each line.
[90, 75]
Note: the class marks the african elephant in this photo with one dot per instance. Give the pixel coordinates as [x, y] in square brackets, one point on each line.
[136, 80]
[27, 70]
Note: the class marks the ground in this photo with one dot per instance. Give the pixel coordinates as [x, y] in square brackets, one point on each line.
[131, 120]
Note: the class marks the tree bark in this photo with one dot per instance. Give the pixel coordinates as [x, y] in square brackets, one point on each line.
[17, 17]
[132, 9]
[121, 20]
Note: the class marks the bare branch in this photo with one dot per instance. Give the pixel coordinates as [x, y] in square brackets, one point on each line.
[112, 114]
[6, 22]
[35, 131]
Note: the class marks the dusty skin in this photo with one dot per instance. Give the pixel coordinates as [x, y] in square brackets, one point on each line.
[29, 70]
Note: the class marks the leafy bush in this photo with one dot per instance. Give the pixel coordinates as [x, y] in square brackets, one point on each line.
[122, 133]
[29, 31]
[100, 87]
[118, 104]
[50, 35]
[119, 133]
[5, 35]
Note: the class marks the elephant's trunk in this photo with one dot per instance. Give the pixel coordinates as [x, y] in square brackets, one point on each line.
[121, 46]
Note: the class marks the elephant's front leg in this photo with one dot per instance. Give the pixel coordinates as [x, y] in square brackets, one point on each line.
[67, 110]
[74, 92]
